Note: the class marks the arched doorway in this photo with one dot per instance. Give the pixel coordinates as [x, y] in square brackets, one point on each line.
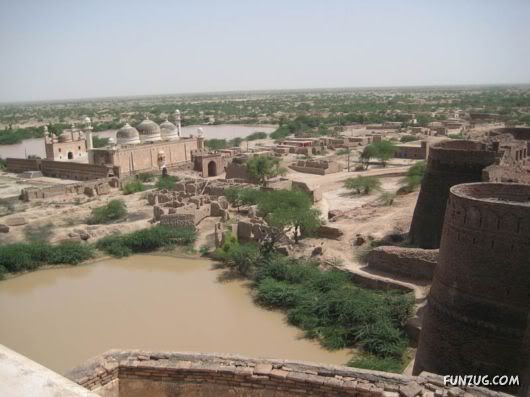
[212, 168]
[70, 156]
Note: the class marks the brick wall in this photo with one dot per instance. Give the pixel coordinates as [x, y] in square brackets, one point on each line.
[165, 374]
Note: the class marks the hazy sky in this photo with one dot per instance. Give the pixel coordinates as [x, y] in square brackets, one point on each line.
[74, 49]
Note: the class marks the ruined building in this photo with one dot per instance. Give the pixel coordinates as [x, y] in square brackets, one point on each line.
[449, 163]
[476, 321]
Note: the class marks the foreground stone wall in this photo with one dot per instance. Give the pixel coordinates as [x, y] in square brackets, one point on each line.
[478, 306]
[139, 373]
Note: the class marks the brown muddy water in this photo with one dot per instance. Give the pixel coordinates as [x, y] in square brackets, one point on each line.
[61, 317]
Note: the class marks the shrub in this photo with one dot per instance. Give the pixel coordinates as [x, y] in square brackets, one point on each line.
[329, 307]
[370, 361]
[204, 250]
[256, 135]
[455, 136]
[387, 198]
[408, 138]
[146, 240]
[113, 211]
[414, 177]
[70, 252]
[167, 182]
[28, 256]
[3, 272]
[362, 184]
[145, 177]
[133, 187]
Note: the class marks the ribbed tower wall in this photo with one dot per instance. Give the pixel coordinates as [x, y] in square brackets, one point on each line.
[449, 163]
[476, 321]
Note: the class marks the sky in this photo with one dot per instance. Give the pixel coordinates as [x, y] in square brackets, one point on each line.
[61, 49]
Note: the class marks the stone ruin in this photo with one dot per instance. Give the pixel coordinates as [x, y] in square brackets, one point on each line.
[318, 167]
[190, 202]
[476, 321]
[91, 188]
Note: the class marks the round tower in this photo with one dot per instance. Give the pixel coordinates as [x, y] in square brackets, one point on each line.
[449, 163]
[477, 313]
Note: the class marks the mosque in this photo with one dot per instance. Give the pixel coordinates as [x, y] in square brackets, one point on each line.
[148, 147]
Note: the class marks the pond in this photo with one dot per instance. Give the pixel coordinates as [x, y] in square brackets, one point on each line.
[61, 317]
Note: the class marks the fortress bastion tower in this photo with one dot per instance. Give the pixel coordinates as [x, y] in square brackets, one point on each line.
[476, 320]
[449, 163]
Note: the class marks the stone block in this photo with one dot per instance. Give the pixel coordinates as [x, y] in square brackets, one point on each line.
[16, 221]
[4, 228]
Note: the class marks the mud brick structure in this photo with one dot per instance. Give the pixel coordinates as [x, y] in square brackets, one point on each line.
[414, 263]
[476, 321]
[164, 374]
[209, 164]
[519, 133]
[318, 167]
[449, 163]
[412, 151]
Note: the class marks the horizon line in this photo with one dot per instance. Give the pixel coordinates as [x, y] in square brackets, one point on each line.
[272, 90]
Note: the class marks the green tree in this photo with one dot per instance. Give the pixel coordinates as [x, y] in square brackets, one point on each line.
[368, 153]
[362, 184]
[414, 176]
[287, 210]
[239, 196]
[262, 168]
[384, 150]
[216, 144]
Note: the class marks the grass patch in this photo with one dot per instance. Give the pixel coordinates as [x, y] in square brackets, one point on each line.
[146, 240]
[29, 256]
[133, 187]
[370, 361]
[114, 211]
[167, 182]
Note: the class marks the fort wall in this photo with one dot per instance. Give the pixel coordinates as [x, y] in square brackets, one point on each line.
[409, 262]
[164, 374]
[449, 163]
[519, 133]
[60, 169]
[477, 313]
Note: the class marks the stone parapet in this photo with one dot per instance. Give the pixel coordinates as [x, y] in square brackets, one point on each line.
[141, 373]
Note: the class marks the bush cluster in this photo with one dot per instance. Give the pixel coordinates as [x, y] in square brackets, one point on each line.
[133, 187]
[167, 182]
[28, 256]
[146, 240]
[256, 135]
[114, 211]
[327, 305]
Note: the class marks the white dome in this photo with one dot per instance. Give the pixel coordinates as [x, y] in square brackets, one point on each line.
[168, 130]
[149, 131]
[127, 135]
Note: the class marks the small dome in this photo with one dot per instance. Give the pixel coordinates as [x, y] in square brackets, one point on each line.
[127, 135]
[169, 130]
[149, 130]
